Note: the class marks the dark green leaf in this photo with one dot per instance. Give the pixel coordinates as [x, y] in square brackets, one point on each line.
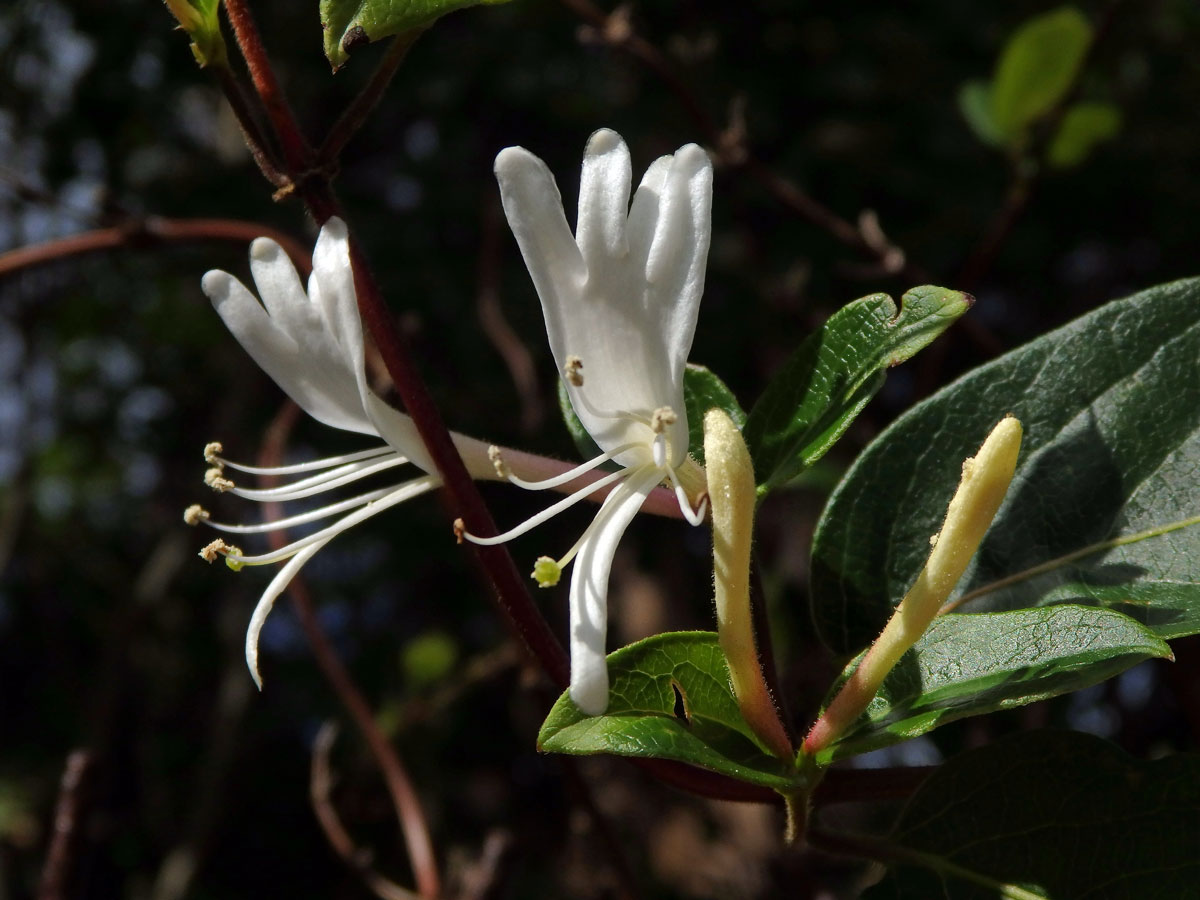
[975, 104]
[1103, 506]
[969, 665]
[1083, 127]
[827, 382]
[1048, 816]
[348, 23]
[669, 699]
[1038, 67]
[702, 390]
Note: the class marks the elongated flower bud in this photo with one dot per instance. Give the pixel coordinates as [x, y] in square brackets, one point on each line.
[985, 480]
[731, 487]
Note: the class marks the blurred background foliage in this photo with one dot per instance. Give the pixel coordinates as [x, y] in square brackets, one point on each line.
[114, 373]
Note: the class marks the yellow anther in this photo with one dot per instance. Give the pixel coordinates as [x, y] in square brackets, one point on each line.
[211, 551]
[572, 371]
[195, 514]
[661, 418]
[495, 455]
[212, 453]
[215, 479]
[460, 528]
[546, 571]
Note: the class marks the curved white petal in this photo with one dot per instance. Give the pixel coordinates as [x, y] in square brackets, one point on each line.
[265, 603]
[589, 590]
[631, 316]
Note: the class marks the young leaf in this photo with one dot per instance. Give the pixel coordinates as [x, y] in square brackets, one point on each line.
[669, 698]
[970, 665]
[702, 390]
[348, 23]
[1103, 510]
[1037, 68]
[1048, 816]
[975, 104]
[1083, 127]
[825, 384]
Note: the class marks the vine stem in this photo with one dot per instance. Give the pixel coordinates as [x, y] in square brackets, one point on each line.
[408, 806]
[150, 231]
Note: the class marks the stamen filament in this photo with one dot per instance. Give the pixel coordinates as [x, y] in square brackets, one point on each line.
[405, 491]
[548, 513]
[572, 474]
[609, 413]
[693, 517]
[305, 517]
[324, 482]
[310, 466]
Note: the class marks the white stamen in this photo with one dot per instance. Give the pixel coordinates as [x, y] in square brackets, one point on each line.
[659, 451]
[548, 513]
[405, 491]
[326, 481]
[216, 480]
[572, 474]
[195, 514]
[304, 518]
[310, 466]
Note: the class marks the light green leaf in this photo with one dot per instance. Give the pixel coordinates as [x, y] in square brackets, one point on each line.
[970, 665]
[975, 104]
[1047, 816]
[1102, 510]
[348, 23]
[669, 698]
[825, 384]
[702, 390]
[1083, 127]
[198, 18]
[1037, 68]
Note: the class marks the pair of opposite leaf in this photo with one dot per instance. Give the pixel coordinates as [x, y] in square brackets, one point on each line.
[620, 300]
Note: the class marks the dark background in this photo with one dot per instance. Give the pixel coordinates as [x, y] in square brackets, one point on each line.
[114, 373]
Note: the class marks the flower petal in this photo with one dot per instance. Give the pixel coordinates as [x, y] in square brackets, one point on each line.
[603, 202]
[279, 354]
[589, 590]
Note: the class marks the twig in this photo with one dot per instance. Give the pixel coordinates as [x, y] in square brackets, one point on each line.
[68, 812]
[320, 787]
[297, 153]
[360, 107]
[617, 31]
[404, 797]
[515, 354]
[256, 139]
[482, 879]
[149, 232]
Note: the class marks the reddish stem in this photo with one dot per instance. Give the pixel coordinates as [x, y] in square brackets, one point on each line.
[404, 796]
[297, 153]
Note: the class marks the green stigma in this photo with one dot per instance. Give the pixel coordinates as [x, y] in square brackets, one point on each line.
[546, 571]
[234, 564]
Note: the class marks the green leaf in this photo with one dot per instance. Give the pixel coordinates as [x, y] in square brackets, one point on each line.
[1037, 68]
[975, 104]
[198, 18]
[1104, 504]
[348, 23]
[1083, 127]
[1048, 816]
[970, 665]
[825, 384]
[669, 698]
[702, 390]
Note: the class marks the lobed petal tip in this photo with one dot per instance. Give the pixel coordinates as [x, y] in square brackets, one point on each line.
[335, 227]
[264, 249]
[216, 284]
[512, 160]
[591, 695]
[603, 140]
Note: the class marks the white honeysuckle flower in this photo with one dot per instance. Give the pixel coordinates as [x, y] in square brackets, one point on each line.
[311, 343]
[620, 300]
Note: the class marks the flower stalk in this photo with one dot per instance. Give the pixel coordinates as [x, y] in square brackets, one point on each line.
[985, 480]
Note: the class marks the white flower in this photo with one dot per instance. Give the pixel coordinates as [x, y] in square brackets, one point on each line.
[620, 300]
[311, 343]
